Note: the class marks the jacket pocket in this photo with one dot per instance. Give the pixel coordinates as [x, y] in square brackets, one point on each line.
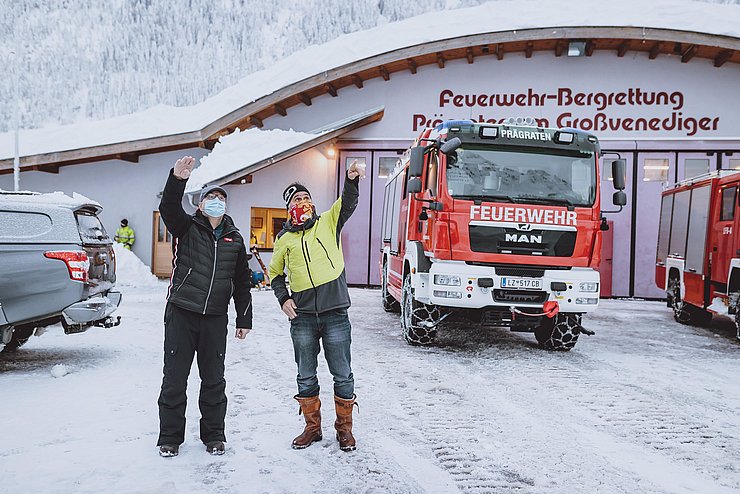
[326, 252]
[183, 280]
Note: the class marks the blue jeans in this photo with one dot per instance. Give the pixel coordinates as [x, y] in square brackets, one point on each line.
[335, 332]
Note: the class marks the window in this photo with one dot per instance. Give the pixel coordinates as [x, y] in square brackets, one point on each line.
[655, 170]
[386, 166]
[90, 228]
[265, 224]
[733, 164]
[728, 204]
[432, 173]
[695, 167]
[349, 159]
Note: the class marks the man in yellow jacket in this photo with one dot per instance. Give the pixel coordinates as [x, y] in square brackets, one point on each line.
[125, 235]
[309, 247]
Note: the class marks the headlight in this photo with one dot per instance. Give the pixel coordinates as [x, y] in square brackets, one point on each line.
[446, 279]
[447, 294]
[589, 286]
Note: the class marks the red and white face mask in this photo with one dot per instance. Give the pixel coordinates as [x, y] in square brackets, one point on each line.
[300, 213]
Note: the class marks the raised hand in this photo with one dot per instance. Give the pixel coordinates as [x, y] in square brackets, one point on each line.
[356, 169]
[183, 167]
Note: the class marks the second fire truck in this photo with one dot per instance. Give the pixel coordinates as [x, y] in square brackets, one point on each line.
[500, 224]
[698, 256]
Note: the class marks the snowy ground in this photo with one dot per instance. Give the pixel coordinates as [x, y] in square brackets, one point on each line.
[646, 405]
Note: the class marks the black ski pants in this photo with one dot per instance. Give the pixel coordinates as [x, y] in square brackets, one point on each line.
[185, 333]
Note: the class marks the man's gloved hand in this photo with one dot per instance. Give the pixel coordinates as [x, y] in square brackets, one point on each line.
[183, 167]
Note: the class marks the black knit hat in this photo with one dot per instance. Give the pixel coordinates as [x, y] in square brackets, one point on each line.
[292, 190]
[124, 222]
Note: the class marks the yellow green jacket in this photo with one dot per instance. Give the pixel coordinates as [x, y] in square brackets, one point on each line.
[125, 236]
[312, 256]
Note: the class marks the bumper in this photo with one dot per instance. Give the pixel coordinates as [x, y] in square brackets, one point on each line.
[92, 310]
[494, 292]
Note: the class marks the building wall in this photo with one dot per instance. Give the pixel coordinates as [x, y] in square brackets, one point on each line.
[545, 86]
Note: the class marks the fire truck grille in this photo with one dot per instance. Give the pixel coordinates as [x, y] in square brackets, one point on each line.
[520, 271]
[499, 240]
[520, 296]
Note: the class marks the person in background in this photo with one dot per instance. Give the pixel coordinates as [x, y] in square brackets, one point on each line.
[210, 264]
[125, 235]
[309, 247]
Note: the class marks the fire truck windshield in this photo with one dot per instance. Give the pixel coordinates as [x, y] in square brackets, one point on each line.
[522, 175]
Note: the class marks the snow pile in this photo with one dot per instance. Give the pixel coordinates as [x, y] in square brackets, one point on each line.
[57, 197]
[242, 148]
[130, 271]
[59, 370]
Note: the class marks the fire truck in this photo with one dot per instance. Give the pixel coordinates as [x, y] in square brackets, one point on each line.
[498, 225]
[698, 256]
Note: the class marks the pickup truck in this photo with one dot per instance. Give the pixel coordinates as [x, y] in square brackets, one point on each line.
[56, 265]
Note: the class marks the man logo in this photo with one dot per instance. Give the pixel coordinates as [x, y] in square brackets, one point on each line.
[524, 227]
[528, 239]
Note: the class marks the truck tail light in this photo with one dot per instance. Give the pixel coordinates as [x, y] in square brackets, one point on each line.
[77, 262]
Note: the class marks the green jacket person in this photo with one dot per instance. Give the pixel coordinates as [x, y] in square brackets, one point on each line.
[125, 235]
[310, 248]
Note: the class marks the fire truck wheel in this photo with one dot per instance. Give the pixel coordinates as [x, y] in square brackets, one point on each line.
[737, 324]
[559, 333]
[390, 304]
[21, 334]
[418, 320]
[683, 312]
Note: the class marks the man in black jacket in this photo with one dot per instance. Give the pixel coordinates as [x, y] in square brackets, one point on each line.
[210, 265]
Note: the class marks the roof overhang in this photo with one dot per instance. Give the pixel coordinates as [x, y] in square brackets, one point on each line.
[618, 40]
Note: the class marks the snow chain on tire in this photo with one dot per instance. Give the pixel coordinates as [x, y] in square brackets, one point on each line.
[560, 332]
[418, 320]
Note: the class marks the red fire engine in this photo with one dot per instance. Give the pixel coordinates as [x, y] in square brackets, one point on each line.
[698, 258]
[497, 224]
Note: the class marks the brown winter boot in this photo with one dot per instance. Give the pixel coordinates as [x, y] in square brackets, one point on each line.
[343, 424]
[311, 409]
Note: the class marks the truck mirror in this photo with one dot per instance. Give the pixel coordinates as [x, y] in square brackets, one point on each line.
[450, 145]
[414, 185]
[416, 161]
[619, 172]
[619, 198]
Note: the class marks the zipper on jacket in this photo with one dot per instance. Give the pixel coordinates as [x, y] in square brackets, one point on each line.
[183, 280]
[326, 251]
[213, 275]
[304, 249]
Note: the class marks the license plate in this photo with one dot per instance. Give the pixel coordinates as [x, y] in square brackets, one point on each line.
[528, 283]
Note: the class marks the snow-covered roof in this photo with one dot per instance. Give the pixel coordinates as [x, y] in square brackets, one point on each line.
[243, 152]
[51, 198]
[496, 16]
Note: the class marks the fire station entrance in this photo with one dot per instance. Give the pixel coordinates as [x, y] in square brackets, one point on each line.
[361, 237]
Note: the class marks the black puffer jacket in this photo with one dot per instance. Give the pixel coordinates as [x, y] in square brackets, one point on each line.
[207, 270]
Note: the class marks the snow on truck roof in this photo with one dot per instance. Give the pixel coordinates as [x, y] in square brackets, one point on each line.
[497, 16]
[47, 199]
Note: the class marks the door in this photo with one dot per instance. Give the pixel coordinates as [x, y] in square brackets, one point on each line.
[621, 224]
[383, 164]
[722, 242]
[654, 170]
[161, 248]
[607, 260]
[356, 236]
